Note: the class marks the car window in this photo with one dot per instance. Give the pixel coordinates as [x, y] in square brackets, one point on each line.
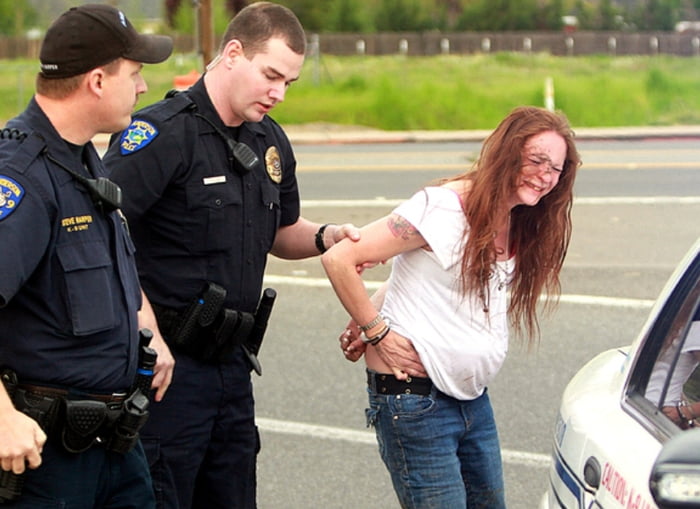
[671, 387]
[690, 393]
[665, 374]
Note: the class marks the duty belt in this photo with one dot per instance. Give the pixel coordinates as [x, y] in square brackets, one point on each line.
[79, 421]
[41, 390]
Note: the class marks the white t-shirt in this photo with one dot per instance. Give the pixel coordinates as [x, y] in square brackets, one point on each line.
[461, 346]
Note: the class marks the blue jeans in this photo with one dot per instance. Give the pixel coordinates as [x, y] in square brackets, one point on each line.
[441, 452]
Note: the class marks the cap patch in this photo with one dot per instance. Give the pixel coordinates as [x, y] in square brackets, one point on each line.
[11, 194]
[139, 134]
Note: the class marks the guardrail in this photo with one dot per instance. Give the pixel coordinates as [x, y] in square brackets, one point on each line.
[574, 43]
[555, 43]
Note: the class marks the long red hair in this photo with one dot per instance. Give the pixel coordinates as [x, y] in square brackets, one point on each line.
[539, 235]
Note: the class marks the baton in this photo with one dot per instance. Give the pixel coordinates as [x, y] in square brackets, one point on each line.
[252, 346]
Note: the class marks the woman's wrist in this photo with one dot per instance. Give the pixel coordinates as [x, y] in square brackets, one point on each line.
[326, 231]
[372, 324]
[374, 340]
[688, 416]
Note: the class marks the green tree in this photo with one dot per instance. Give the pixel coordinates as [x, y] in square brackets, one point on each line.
[607, 16]
[347, 16]
[16, 17]
[657, 15]
[584, 14]
[233, 6]
[184, 20]
[451, 10]
[311, 13]
[550, 15]
[499, 15]
[171, 8]
[400, 15]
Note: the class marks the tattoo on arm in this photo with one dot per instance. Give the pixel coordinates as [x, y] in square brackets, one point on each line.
[399, 227]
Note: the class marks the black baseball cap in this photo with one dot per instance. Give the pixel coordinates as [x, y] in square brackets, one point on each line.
[92, 35]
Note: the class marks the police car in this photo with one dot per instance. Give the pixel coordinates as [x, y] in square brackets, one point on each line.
[619, 441]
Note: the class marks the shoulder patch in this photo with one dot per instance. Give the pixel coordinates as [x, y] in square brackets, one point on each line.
[139, 134]
[11, 194]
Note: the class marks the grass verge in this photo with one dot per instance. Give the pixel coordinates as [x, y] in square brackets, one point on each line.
[450, 92]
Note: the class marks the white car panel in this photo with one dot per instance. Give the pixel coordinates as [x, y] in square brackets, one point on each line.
[608, 435]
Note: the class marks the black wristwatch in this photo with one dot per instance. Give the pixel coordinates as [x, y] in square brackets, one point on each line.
[319, 239]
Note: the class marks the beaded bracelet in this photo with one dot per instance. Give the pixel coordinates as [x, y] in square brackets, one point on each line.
[376, 339]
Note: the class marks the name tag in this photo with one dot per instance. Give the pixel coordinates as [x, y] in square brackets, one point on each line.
[214, 180]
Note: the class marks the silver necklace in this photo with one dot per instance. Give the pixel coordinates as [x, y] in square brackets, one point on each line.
[500, 273]
[501, 277]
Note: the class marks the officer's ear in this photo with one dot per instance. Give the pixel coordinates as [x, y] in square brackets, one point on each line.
[94, 80]
[232, 51]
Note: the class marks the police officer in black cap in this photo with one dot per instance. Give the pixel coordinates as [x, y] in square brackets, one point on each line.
[69, 292]
[209, 190]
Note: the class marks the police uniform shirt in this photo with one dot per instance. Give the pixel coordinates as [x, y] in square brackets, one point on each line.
[195, 213]
[69, 291]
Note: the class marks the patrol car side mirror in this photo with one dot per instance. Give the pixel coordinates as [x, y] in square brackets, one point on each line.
[675, 476]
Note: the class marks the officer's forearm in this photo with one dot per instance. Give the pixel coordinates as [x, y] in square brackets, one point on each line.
[296, 241]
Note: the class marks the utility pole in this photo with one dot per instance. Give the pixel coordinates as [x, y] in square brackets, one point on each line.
[205, 30]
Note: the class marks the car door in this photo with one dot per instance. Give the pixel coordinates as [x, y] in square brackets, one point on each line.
[660, 381]
[612, 423]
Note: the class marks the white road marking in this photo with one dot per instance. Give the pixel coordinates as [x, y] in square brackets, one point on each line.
[589, 300]
[526, 459]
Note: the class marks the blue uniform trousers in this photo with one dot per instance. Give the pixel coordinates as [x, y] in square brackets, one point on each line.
[92, 479]
[201, 439]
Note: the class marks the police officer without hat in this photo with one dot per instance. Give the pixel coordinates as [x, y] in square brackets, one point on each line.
[209, 190]
[69, 292]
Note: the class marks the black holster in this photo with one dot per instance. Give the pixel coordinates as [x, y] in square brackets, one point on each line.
[207, 330]
[82, 423]
[125, 431]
